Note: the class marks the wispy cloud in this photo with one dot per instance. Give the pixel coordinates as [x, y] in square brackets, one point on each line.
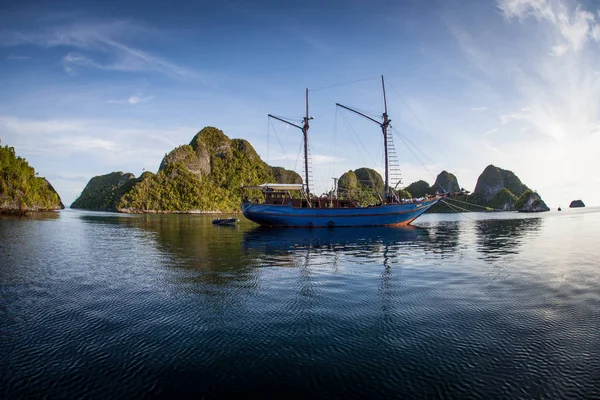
[85, 144]
[26, 127]
[294, 161]
[110, 141]
[574, 26]
[322, 159]
[138, 99]
[100, 45]
[133, 100]
[73, 60]
[21, 58]
[515, 116]
[488, 143]
[490, 132]
[559, 50]
[557, 95]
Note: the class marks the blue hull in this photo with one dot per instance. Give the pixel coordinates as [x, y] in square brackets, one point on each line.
[285, 215]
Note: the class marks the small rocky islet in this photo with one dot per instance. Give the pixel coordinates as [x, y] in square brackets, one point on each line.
[576, 204]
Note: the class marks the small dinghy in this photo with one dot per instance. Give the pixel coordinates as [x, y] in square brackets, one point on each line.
[225, 221]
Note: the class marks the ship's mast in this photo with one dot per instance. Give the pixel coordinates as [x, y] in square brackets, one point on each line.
[384, 127]
[305, 134]
[304, 129]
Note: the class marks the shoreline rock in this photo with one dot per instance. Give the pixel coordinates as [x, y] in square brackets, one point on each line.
[136, 211]
[22, 213]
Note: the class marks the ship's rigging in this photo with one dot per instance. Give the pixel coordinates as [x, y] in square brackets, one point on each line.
[391, 164]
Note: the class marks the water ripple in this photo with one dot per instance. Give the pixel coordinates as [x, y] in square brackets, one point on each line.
[105, 305]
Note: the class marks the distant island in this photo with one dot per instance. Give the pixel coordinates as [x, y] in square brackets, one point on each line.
[497, 189]
[206, 175]
[21, 190]
[576, 204]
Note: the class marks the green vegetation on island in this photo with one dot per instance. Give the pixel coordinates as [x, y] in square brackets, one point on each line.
[102, 193]
[504, 199]
[445, 182]
[175, 188]
[419, 189]
[20, 189]
[364, 185]
[530, 201]
[205, 175]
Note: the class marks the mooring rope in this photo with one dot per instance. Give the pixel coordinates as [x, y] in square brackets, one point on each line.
[454, 207]
[476, 205]
[458, 212]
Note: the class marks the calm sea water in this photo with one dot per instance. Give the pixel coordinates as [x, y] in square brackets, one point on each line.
[496, 305]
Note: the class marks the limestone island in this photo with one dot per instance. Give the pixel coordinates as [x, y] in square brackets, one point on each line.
[576, 204]
[205, 175]
[21, 190]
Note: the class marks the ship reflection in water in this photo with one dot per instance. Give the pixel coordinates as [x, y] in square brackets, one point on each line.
[334, 246]
[335, 239]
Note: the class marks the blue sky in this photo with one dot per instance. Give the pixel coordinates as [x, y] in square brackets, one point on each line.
[94, 87]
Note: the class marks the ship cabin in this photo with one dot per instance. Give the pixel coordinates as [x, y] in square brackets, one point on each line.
[281, 194]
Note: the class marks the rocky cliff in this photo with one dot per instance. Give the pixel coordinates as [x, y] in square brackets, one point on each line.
[20, 189]
[204, 175]
[530, 201]
[493, 179]
[445, 183]
[102, 193]
[283, 175]
[196, 161]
